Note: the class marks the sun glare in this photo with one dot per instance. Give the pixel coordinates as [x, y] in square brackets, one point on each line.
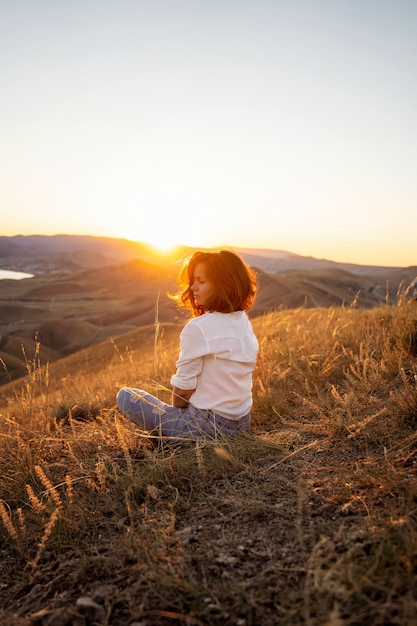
[163, 244]
[167, 244]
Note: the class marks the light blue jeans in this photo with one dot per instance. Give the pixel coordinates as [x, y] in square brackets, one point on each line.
[162, 419]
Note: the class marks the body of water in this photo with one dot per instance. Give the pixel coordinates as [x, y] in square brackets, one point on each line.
[11, 275]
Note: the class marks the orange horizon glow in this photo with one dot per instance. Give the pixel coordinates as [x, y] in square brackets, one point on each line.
[388, 253]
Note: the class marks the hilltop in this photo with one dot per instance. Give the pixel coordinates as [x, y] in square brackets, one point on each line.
[310, 519]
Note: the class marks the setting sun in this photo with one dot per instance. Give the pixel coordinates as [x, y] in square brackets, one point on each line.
[163, 245]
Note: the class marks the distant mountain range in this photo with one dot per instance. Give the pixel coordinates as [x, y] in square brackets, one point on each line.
[86, 290]
[40, 253]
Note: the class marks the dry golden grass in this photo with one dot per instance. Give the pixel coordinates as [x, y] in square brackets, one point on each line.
[310, 519]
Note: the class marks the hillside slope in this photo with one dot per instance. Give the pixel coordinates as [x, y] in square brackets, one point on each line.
[68, 312]
[309, 519]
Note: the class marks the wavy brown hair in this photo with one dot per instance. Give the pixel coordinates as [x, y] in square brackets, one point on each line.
[233, 280]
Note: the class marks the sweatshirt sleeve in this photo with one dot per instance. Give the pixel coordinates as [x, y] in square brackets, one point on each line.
[193, 347]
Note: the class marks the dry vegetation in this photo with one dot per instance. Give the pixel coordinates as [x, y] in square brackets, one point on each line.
[311, 519]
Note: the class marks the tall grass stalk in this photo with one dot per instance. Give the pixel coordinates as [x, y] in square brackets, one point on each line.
[6, 519]
[155, 345]
[56, 514]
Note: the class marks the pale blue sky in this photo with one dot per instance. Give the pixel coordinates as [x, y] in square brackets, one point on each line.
[288, 125]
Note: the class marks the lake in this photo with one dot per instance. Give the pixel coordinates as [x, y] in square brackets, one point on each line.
[11, 275]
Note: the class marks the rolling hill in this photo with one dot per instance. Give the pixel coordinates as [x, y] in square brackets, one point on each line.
[87, 290]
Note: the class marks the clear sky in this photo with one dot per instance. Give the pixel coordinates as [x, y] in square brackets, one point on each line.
[284, 124]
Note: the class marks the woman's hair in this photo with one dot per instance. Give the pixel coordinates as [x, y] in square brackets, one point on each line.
[233, 281]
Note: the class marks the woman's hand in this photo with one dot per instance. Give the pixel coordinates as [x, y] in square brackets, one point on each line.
[180, 397]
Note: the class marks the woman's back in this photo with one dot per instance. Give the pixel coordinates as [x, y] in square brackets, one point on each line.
[217, 357]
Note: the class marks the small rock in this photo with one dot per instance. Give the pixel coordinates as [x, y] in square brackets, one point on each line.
[86, 606]
[224, 559]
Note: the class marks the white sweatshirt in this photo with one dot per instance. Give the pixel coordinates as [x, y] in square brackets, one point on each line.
[217, 357]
